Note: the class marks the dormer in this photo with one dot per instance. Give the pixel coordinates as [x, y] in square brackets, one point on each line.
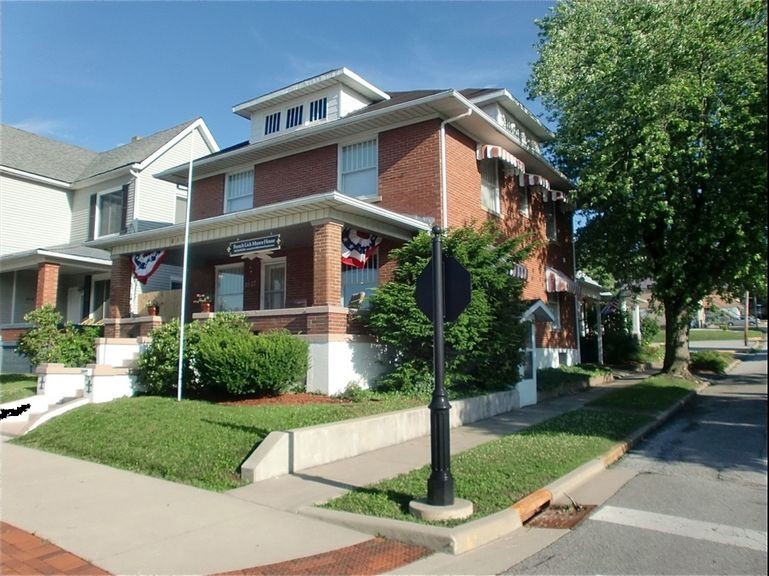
[508, 112]
[320, 99]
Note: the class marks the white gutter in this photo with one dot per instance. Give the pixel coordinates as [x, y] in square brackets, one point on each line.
[135, 172]
[444, 194]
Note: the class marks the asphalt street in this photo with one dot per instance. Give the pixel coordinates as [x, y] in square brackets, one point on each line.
[698, 501]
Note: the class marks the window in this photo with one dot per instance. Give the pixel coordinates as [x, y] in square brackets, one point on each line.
[555, 307]
[550, 224]
[523, 200]
[239, 192]
[100, 299]
[490, 186]
[272, 123]
[358, 168]
[229, 288]
[110, 213]
[355, 280]
[318, 109]
[294, 116]
[274, 284]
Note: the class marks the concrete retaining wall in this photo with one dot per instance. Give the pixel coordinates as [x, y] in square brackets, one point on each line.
[290, 451]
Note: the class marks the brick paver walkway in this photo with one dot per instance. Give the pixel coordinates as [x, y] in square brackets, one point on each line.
[25, 553]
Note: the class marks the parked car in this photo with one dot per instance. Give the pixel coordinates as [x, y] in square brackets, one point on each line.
[740, 322]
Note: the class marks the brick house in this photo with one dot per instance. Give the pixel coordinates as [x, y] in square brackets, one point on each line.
[336, 173]
[55, 197]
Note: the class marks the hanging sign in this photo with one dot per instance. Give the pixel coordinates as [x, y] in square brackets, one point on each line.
[262, 244]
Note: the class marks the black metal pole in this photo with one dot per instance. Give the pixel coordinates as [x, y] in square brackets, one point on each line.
[440, 485]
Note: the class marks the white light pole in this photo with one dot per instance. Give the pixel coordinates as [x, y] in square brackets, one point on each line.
[183, 310]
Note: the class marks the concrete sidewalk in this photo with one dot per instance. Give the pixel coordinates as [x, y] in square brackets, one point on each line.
[127, 523]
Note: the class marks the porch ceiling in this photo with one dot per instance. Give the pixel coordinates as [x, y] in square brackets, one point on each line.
[287, 218]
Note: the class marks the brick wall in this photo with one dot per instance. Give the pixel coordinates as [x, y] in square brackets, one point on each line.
[304, 174]
[327, 256]
[207, 197]
[47, 284]
[120, 288]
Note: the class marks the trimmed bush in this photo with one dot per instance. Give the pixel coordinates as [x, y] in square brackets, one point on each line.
[51, 341]
[281, 363]
[710, 360]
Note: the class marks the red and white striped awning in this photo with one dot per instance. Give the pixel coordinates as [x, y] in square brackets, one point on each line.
[519, 271]
[488, 151]
[534, 180]
[557, 281]
[554, 195]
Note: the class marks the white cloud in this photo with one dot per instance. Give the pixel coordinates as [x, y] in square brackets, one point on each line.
[50, 128]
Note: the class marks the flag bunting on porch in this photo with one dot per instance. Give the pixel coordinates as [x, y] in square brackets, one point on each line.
[146, 264]
[358, 246]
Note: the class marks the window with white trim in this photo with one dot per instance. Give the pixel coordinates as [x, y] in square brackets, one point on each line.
[490, 185]
[110, 213]
[318, 109]
[229, 288]
[550, 221]
[523, 200]
[355, 280]
[239, 191]
[358, 168]
[272, 123]
[554, 302]
[273, 284]
[294, 116]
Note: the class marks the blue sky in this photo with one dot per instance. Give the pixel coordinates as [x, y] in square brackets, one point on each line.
[94, 74]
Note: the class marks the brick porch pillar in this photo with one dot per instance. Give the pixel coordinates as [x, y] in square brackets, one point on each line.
[327, 266]
[47, 284]
[120, 288]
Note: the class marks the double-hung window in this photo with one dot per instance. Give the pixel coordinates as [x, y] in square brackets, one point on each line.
[554, 302]
[523, 200]
[490, 185]
[110, 213]
[550, 221]
[274, 284]
[229, 288]
[239, 191]
[359, 170]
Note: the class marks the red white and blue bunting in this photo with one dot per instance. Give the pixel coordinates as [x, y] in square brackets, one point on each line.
[358, 246]
[146, 264]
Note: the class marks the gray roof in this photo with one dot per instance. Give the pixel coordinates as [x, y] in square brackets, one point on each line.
[44, 157]
[37, 155]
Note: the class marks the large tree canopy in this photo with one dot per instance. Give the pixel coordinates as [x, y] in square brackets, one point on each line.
[661, 108]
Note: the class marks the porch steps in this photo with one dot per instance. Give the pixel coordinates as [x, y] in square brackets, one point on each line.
[18, 425]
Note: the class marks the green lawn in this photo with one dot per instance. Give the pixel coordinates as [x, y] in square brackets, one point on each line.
[711, 334]
[17, 386]
[495, 475]
[192, 442]
[652, 394]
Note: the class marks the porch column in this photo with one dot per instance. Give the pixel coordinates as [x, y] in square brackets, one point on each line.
[120, 288]
[327, 263]
[47, 284]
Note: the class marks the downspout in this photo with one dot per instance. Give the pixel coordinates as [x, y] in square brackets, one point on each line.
[135, 171]
[444, 194]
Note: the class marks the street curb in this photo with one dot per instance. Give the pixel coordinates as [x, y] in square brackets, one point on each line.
[471, 535]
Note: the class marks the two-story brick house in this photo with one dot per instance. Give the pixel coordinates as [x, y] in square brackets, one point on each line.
[54, 197]
[334, 169]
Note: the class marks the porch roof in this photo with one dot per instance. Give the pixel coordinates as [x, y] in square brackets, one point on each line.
[271, 218]
[71, 258]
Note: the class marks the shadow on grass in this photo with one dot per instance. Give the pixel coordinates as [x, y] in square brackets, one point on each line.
[642, 397]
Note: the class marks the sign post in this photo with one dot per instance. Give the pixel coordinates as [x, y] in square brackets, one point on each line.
[443, 292]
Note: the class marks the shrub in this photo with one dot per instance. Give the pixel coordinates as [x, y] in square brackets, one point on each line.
[711, 360]
[482, 346]
[51, 341]
[649, 329]
[619, 344]
[281, 363]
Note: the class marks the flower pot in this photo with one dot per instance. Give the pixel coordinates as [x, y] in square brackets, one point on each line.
[205, 307]
[152, 310]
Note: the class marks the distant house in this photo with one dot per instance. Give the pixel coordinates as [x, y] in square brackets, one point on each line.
[292, 225]
[55, 197]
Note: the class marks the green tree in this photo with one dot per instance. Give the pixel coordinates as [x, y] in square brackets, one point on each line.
[661, 107]
[483, 344]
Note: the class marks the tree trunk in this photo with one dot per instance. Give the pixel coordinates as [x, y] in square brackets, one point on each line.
[676, 361]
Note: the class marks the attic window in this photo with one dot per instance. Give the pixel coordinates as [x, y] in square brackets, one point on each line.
[272, 123]
[294, 116]
[318, 109]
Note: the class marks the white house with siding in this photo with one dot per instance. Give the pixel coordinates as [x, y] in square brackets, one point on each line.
[54, 197]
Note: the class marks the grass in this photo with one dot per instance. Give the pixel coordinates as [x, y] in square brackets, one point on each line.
[550, 378]
[711, 334]
[191, 442]
[17, 386]
[711, 360]
[652, 394]
[495, 475]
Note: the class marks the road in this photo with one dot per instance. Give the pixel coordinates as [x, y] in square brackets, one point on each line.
[697, 503]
